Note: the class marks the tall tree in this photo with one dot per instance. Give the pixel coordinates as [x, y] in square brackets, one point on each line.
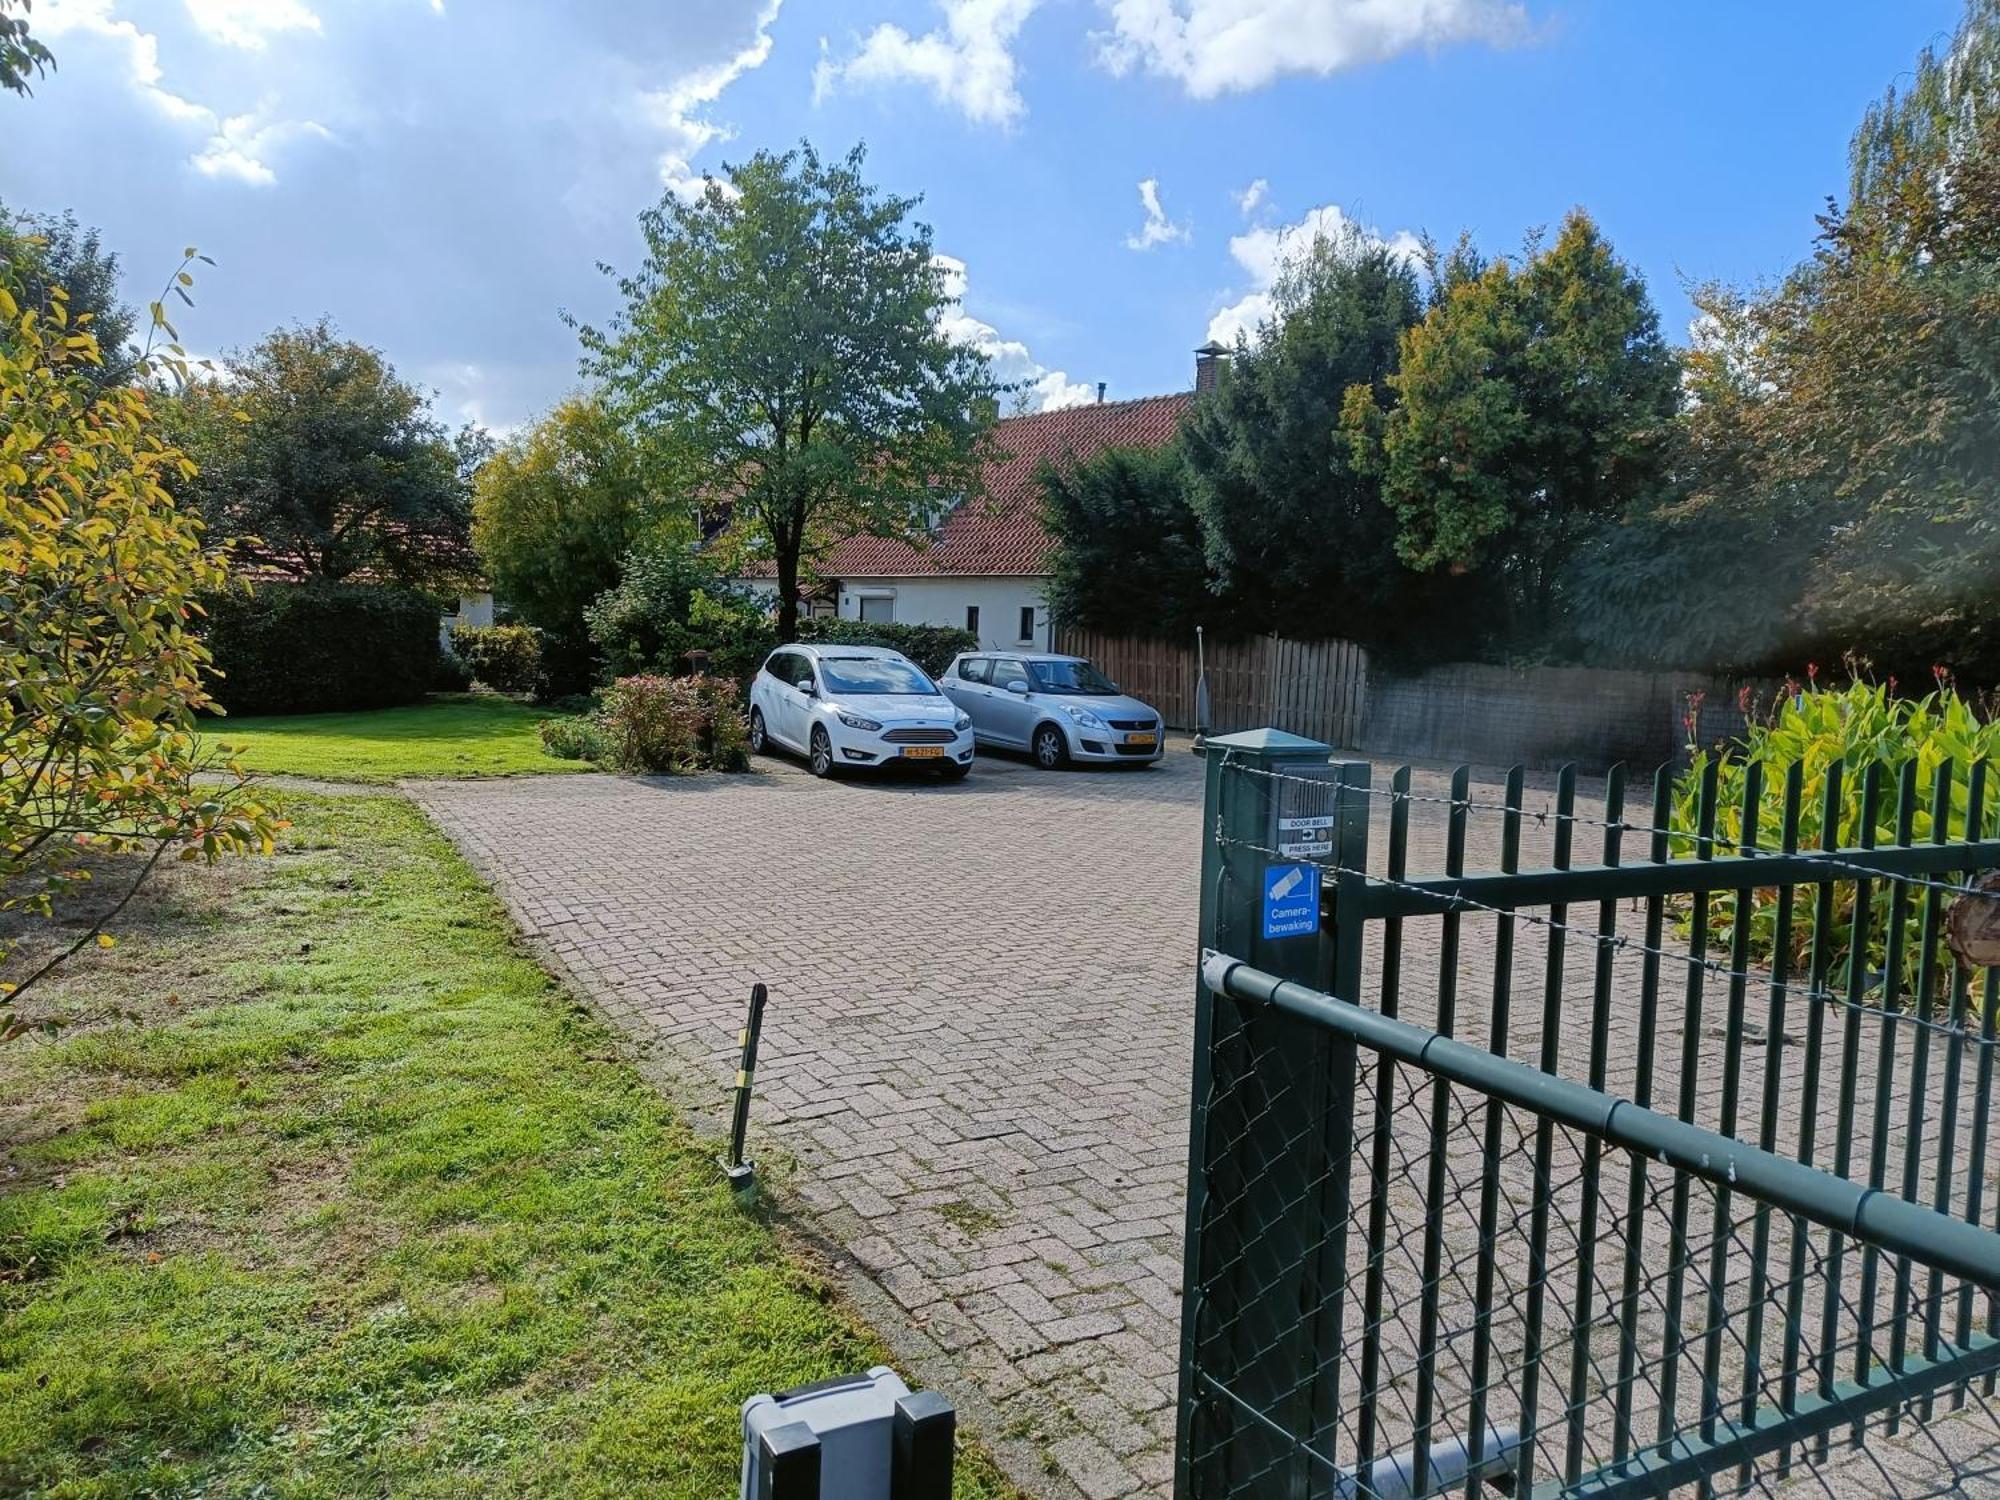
[1707, 572]
[1883, 354]
[1128, 556]
[1839, 487]
[553, 513]
[46, 252]
[780, 346]
[1532, 402]
[313, 448]
[1294, 532]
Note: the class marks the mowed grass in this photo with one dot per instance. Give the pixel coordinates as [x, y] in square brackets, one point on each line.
[456, 734]
[369, 1207]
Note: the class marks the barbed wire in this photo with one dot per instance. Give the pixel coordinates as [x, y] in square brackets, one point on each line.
[1542, 816]
[1620, 943]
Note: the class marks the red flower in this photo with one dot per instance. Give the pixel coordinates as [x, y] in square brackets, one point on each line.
[1812, 671]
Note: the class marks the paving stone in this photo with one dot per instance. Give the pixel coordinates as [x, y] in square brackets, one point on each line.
[1094, 1468]
[977, 1046]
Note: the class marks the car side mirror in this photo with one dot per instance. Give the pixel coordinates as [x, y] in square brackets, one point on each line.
[1018, 686]
[808, 689]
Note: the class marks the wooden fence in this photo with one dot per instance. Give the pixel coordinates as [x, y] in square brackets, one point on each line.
[1470, 712]
[1316, 688]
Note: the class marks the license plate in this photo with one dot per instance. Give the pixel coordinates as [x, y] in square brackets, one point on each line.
[1142, 739]
[924, 752]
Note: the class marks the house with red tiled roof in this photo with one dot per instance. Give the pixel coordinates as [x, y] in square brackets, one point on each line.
[985, 566]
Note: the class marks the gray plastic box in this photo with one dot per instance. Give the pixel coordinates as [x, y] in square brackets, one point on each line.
[856, 1437]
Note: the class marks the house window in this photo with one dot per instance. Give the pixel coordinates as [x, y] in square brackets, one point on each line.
[879, 608]
[972, 618]
[1027, 622]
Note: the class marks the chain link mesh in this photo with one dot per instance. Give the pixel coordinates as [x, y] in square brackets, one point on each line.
[1652, 1313]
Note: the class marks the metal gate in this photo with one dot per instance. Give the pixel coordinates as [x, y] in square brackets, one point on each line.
[1665, 1168]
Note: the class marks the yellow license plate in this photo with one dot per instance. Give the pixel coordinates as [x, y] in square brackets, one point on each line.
[924, 752]
[1142, 739]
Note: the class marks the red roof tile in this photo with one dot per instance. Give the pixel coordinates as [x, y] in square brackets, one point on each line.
[1001, 531]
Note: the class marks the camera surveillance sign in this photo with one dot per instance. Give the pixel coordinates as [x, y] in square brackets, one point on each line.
[1291, 901]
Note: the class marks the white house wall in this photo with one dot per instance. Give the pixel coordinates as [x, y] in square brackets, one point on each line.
[944, 601]
[474, 610]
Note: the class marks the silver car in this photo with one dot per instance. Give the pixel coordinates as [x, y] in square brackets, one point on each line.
[1058, 708]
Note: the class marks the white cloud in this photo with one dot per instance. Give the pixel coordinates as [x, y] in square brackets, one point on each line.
[967, 63]
[1044, 389]
[249, 23]
[238, 146]
[243, 145]
[1263, 252]
[1214, 47]
[1253, 197]
[678, 110]
[1158, 228]
[141, 50]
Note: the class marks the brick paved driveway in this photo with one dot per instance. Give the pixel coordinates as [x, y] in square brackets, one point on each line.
[977, 1047]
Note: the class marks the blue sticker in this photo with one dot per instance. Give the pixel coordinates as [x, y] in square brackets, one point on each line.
[1291, 901]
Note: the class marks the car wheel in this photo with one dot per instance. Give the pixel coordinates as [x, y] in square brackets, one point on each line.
[821, 759]
[955, 771]
[1051, 749]
[759, 740]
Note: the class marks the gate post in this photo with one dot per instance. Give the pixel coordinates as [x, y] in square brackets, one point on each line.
[1270, 1126]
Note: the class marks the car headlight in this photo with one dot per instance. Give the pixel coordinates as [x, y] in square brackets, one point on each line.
[1083, 718]
[962, 723]
[855, 721]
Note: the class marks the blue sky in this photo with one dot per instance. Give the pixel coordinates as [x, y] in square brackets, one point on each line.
[441, 176]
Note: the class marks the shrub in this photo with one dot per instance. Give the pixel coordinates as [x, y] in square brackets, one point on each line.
[675, 724]
[1815, 729]
[453, 675]
[99, 749]
[580, 737]
[319, 647]
[506, 658]
[673, 601]
[930, 646]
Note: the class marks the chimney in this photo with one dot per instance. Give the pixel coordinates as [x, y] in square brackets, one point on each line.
[1100, 393]
[1209, 360]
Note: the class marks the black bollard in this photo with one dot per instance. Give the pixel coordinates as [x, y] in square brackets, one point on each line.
[741, 1171]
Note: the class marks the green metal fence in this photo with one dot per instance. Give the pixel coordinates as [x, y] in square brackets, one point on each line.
[1669, 1170]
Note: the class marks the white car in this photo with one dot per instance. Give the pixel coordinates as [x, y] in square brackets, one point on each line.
[852, 706]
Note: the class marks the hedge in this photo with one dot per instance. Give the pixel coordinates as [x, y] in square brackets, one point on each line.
[506, 658]
[293, 648]
[930, 646]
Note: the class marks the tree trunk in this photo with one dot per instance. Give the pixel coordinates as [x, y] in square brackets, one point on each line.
[788, 592]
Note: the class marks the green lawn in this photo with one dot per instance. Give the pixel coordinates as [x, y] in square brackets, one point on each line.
[458, 734]
[369, 1206]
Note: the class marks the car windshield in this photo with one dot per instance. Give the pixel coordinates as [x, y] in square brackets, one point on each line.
[1078, 677]
[879, 676]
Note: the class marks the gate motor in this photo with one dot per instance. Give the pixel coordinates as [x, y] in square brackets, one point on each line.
[855, 1437]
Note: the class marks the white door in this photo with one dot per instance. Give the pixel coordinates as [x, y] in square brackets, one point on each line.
[791, 669]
